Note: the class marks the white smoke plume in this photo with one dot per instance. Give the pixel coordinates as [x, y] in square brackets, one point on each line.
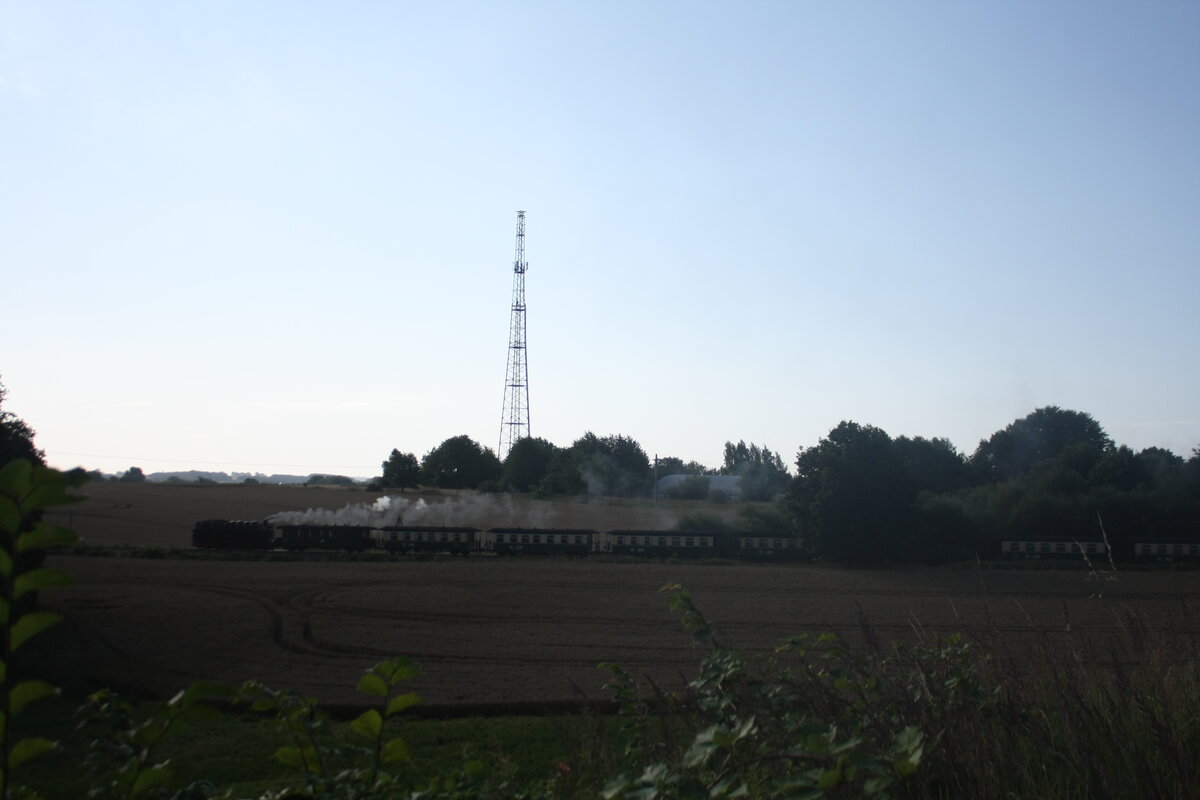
[384, 511]
[473, 510]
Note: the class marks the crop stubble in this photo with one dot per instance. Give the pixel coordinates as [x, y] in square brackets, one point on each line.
[496, 631]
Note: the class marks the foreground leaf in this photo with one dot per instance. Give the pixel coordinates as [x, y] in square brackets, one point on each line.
[369, 724]
[27, 749]
[31, 625]
[401, 702]
[26, 692]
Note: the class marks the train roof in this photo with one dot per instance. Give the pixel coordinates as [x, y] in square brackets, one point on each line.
[1163, 540]
[326, 526]
[1050, 539]
[586, 531]
[648, 532]
[429, 528]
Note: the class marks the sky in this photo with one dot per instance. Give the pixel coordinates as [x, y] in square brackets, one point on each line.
[279, 236]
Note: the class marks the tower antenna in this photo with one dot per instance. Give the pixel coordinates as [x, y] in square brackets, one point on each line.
[514, 420]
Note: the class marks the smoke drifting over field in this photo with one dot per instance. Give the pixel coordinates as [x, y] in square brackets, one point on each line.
[384, 511]
[476, 510]
[479, 510]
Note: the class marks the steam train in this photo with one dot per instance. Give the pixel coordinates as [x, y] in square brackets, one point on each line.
[1162, 549]
[216, 534]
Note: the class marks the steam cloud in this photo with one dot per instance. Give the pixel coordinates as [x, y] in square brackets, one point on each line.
[475, 510]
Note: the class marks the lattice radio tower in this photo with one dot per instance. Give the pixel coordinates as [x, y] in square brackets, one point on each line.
[514, 420]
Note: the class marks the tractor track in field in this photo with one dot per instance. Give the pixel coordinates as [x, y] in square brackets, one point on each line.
[529, 630]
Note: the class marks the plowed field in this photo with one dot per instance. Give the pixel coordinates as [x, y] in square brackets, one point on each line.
[489, 631]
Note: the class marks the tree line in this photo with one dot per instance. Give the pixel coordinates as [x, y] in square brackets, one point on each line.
[610, 466]
[862, 496]
[858, 495]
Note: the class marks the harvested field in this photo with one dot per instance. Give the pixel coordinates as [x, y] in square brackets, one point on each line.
[491, 631]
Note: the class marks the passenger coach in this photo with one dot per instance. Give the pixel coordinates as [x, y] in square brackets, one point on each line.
[427, 539]
[680, 544]
[1053, 547]
[772, 548]
[539, 541]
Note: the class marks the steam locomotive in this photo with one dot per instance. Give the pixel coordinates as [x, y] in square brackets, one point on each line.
[216, 534]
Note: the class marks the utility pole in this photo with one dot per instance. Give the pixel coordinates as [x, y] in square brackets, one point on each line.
[514, 419]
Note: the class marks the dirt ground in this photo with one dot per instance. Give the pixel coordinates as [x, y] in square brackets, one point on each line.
[492, 632]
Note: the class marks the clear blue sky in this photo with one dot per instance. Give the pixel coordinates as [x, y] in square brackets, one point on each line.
[278, 236]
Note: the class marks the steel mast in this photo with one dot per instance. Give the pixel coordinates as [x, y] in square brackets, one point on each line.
[514, 420]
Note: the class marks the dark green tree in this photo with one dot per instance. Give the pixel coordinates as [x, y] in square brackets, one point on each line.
[932, 465]
[527, 464]
[16, 438]
[1161, 467]
[322, 479]
[1040, 436]
[401, 471]
[615, 466]
[670, 465]
[761, 472]
[460, 463]
[851, 496]
[134, 475]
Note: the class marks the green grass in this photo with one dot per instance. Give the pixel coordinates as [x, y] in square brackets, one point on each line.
[235, 750]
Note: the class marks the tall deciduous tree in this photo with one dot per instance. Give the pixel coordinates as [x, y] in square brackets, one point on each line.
[134, 475]
[932, 465]
[460, 463]
[527, 463]
[16, 438]
[670, 465]
[1040, 436]
[401, 470]
[600, 465]
[851, 495]
[761, 472]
